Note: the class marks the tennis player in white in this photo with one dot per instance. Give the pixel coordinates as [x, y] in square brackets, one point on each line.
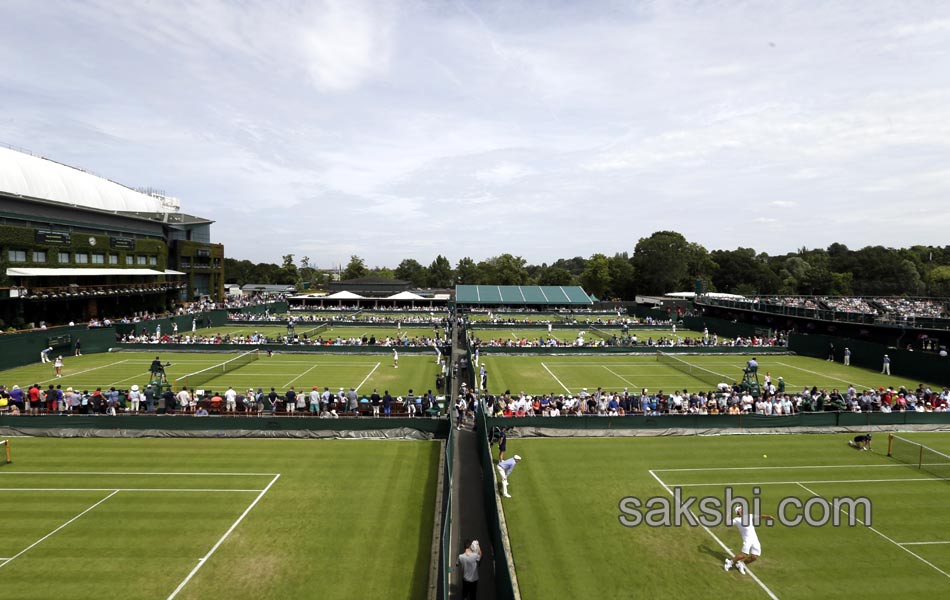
[751, 549]
[505, 467]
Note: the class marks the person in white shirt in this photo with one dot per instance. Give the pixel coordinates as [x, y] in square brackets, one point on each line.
[230, 400]
[505, 468]
[751, 548]
[58, 366]
[184, 399]
[44, 355]
[135, 398]
[395, 359]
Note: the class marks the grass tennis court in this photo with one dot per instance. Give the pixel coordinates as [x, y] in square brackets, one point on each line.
[569, 336]
[255, 519]
[567, 540]
[122, 369]
[570, 374]
[315, 330]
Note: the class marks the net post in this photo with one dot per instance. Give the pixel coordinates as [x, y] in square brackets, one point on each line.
[7, 454]
[890, 444]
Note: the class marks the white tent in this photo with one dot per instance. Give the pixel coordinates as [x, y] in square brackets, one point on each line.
[405, 296]
[344, 295]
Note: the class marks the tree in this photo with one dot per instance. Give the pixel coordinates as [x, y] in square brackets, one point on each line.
[410, 270]
[662, 263]
[355, 269]
[466, 271]
[939, 281]
[440, 273]
[622, 276]
[596, 277]
[555, 276]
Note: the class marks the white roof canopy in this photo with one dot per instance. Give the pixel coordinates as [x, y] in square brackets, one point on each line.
[344, 295]
[35, 177]
[405, 296]
[47, 272]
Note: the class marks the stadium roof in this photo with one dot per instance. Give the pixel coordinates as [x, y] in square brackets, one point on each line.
[553, 295]
[344, 296]
[31, 176]
[90, 272]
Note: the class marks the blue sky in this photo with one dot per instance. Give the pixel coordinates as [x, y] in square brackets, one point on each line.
[544, 129]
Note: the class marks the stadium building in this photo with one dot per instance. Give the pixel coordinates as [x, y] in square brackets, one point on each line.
[75, 246]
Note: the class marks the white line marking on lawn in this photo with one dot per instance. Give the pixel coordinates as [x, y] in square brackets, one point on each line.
[130, 473]
[299, 376]
[365, 379]
[86, 371]
[555, 378]
[777, 467]
[719, 541]
[136, 376]
[918, 557]
[21, 552]
[121, 490]
[920, 543]
[868, 387]
[204, 559]
[618, 375]
[801, 482]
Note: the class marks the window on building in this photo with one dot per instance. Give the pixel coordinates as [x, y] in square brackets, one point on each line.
[82, 258]
[39, 256]
[98, 258]
[140, 260]
[63, 257]
[16, 255]
[129, 259]
[113, 259]
[152, 260]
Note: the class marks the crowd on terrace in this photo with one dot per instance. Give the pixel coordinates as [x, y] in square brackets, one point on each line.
[731, 400]
[879, 306]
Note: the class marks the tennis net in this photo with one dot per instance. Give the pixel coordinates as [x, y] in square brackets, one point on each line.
[705, 375]
[205, 375]
[919, 456]
[314, 330]
[5, 455]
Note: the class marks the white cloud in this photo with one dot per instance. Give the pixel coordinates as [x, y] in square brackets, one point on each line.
[381, 128]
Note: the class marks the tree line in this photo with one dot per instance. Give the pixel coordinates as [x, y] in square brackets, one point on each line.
[661, 263]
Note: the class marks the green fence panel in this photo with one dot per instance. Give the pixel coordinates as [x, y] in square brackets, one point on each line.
[23, 348]
[924, 366]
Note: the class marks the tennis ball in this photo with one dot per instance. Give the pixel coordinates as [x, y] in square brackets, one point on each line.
[765, 456]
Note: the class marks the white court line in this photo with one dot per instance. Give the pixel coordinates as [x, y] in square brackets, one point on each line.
[299, 376]
[130, 473]
[777, 467]
[204, 559]
[719, 541]
[21, 552]
[801, 482]
[142, 374]
[2, 489]
[365, 379]
[86, 371]
[555, 378]
[855, 383]
[917, 556]
[920, 543]
[615, 374]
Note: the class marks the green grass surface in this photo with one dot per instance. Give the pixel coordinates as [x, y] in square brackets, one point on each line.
[342, 520]
[315, 330]
[569, 374]
[567, 540]
[569, 336]
[123, 369]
